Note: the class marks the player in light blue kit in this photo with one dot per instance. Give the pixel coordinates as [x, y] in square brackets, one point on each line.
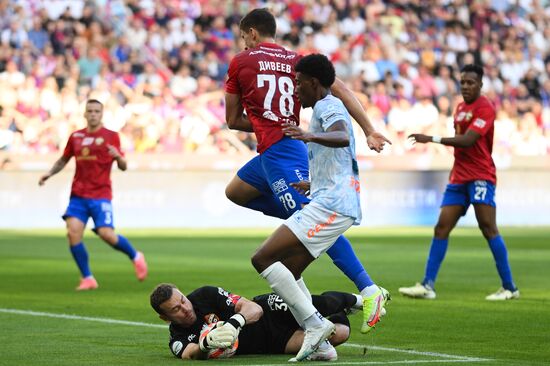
[261, 80]
[334, 207]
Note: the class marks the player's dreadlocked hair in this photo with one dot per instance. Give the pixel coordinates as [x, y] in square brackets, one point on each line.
[473, 68]
[319, 67]
[160, 294]
[261, 20]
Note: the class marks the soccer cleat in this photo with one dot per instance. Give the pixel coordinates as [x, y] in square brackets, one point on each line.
[326, 352]
[503, 294]
[373, 309]
[140, 266]
[418, 291]
[313, 338]
[88, 283]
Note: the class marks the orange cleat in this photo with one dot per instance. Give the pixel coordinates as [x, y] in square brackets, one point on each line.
[140, 266]
[88, 283]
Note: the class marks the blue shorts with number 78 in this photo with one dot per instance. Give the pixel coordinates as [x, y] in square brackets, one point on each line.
[476, 192]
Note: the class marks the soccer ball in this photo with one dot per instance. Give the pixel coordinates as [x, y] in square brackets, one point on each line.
[219, 352]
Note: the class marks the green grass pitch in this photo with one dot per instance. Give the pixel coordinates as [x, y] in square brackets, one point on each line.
[38, 274]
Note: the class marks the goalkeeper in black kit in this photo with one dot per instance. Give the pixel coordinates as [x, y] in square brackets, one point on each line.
[261, 326]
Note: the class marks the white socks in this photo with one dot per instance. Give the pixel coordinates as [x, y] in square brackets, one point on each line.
[304, 288]
[282, 282]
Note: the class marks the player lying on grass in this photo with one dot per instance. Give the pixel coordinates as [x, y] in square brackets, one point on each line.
[264, 325]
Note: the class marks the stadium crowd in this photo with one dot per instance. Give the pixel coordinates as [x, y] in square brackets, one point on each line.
[159, 67]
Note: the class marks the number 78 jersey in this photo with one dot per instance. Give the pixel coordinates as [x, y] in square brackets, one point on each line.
[264, 77]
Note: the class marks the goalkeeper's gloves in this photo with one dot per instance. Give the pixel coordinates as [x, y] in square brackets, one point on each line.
[223, 336]
[215, 340]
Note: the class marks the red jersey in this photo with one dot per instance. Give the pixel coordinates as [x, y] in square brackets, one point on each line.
[475, 162]
[92, 178]
[264, 78]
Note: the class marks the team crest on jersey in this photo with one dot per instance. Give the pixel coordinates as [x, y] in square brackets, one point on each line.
[211, 318]
[99, 140]
[87, 141]
[464, 116]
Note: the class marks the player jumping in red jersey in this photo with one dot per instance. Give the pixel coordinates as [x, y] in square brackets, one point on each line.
[261, 80]
[94, 148]
[472, 181]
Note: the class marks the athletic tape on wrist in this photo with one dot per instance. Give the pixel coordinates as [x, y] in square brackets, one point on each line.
[436, 139]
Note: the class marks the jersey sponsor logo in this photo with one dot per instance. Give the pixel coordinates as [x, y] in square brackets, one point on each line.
[270, 116]
[275, 302]
[312, 232]
[479, 123]
[279, 186]
[87, 141]
[85, 155]
[191, 337]
[273, 54]
[176, 348]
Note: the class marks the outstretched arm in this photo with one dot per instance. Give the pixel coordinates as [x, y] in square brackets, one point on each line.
[56, 168]
[375, 140]
[466, 140]
[234, 116]
[336, 135]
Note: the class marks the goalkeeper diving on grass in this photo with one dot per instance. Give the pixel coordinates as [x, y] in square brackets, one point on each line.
[263, 325]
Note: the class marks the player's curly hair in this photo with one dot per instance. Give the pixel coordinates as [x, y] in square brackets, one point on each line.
[473, 68]
[160, 294]
[261, 20]
[319, 67]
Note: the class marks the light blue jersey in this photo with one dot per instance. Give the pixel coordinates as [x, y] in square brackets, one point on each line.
[334, 172]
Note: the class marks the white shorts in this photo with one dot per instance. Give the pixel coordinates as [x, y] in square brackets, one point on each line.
[318, 228]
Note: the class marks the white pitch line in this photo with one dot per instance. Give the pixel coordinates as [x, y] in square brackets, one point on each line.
[334, 363]
[77, 317]
[450, 358]
[413, 352]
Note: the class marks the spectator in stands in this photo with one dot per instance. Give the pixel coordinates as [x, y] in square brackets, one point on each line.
[188, 45]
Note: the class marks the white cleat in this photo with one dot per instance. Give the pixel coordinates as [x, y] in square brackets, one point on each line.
[313, 338]
[418, 291]
[503, 294]
[326, 352]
